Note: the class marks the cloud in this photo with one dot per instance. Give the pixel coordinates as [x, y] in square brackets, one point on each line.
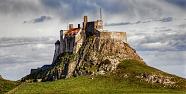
[13, 42]
[159, 41]
[16, 60]
[118, 24]
[129, 9]
[156, 34]
[180, 3]
[39, 20]
[19, 7]
[163, 19]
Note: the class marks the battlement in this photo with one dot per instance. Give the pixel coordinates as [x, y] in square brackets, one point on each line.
[114, 35]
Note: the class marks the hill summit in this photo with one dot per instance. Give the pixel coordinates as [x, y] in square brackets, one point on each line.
[130, 77]
[86, 50]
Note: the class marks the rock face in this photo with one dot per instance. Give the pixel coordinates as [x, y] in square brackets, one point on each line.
[95, 56]
[99, 56]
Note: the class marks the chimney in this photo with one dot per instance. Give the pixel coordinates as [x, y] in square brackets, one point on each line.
[79, 26]
[70, 26]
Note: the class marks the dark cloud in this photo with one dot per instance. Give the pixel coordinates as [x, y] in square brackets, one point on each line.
[166, 19]
[180, 3]
[118, 24]
[70, 9]
[126, 23]
[67, 9]
[39, 20]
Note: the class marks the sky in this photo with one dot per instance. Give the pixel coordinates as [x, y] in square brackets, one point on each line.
[29, 29]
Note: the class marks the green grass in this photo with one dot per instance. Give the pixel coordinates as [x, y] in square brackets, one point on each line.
[109, 84]
[6, 85]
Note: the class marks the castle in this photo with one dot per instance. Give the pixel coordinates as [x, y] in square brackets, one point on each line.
[72, 39]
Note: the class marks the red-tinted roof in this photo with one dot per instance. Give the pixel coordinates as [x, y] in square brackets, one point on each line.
[72, 31]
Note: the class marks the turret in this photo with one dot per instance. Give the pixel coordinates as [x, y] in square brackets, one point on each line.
[70, 26]
[79, 26]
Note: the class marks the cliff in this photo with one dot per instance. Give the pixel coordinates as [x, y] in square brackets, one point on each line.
[95, 56]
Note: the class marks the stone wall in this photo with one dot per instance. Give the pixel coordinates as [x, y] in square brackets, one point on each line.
[114, 35]
[57, 51]
[33, 71]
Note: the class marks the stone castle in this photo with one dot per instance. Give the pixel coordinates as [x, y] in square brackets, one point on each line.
[71, 40]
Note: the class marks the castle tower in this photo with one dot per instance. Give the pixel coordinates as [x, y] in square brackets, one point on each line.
[61, 42]
[85, 22]
[99, 23]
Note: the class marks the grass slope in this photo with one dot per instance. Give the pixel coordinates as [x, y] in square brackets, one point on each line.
[111, 83]
[6, 85]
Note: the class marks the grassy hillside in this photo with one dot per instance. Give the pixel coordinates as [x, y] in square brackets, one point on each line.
[6, 85]
[123, 80]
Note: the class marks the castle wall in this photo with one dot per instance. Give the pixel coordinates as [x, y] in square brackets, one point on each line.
[57, 52]
[114, 35]
[89, 30]
[69, 43]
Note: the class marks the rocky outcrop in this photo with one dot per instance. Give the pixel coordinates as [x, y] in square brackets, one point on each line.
[154, 78]
[95, 56]
[99, 56]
